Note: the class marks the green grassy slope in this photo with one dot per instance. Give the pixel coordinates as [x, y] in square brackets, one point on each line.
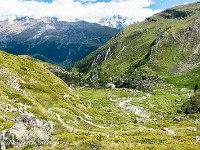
[92, 118]
[25, 80]
[167, 44]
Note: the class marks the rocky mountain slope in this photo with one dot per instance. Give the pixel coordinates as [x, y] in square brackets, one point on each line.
[117, 22]
[164, 46]
[47, 39]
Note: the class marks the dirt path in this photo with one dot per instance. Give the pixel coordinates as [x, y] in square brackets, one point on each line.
[72, 129]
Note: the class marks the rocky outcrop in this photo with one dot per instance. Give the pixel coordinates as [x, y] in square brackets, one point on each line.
[27, 130]
[68, 77]
[193, 105]
[173, 13]
[150, 20]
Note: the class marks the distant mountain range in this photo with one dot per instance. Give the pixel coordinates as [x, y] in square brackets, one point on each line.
[115, 21]
[50, 40]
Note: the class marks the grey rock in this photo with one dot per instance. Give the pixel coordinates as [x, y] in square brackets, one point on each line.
[136, 120]
[198, 138]
[139, 121]
[179, 111]
[94, 146]
[155, 119]
[144, 128]
[16, 136]
[26, 130]
[177, 119]
[168, 130]
[110, 85]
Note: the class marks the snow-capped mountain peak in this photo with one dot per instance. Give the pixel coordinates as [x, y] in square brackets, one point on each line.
[117, 21]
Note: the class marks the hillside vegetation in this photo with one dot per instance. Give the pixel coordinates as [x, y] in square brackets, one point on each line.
[91, 118]
[165, 45]
[155, 66]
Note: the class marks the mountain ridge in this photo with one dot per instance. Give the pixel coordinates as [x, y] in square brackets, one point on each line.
[60, 42]
[157, 44]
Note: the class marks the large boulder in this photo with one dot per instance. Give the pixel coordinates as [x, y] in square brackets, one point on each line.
[16, 136]
[27, 130]
[110, 85]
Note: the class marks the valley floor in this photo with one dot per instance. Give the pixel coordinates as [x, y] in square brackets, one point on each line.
[127, 119]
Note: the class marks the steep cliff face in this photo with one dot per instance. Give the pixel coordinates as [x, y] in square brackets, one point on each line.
[166, 44]
[47, 39]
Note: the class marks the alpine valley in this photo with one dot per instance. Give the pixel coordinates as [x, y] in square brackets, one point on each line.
[140, 90]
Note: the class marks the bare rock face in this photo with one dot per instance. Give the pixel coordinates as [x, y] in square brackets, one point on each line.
[27, 130]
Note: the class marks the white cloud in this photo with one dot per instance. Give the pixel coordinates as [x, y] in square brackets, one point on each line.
[87, 0]
[68, 9]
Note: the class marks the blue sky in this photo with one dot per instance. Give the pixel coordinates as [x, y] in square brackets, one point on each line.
[164, 4]
[89, 10]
